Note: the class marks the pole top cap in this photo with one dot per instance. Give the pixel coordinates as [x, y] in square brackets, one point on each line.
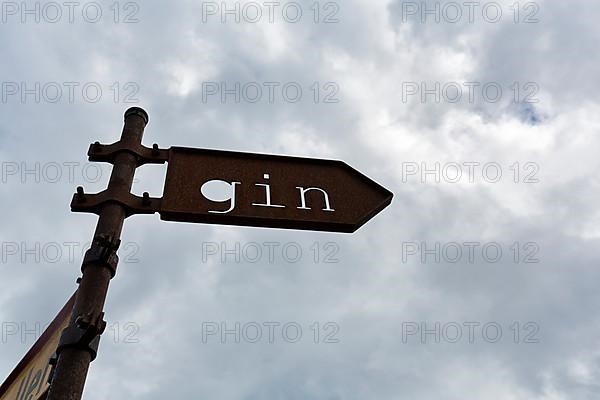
[137, 111]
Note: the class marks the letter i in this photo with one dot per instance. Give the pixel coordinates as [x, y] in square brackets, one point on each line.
[267, 194]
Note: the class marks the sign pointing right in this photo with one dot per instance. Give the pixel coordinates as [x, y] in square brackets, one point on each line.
[268, 191]
[256, 190]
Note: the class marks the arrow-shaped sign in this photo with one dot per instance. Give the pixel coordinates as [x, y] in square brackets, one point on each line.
[209, 186]
[224, 187]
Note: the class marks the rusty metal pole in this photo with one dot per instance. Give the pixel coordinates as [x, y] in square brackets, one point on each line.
[79, 341]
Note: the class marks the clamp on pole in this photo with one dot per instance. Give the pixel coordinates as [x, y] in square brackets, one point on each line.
[143, 155]
[132, 204]
[84, 334]
[103, 251]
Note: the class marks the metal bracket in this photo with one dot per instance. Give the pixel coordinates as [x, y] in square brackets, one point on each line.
[52, 362]
[144, 155]
[84, 334]
[93, 203]
[103, 250]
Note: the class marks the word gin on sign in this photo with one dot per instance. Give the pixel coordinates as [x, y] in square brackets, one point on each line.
[267, 202]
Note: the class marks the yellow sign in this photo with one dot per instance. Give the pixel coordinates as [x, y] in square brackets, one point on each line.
[29, 380]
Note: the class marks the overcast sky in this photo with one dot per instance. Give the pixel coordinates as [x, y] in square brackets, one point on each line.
[483, 123]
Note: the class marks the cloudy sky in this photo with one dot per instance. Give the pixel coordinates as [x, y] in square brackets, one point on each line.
[478, 282]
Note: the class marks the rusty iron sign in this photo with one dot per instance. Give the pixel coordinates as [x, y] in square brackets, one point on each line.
[268, 191]
[29, 379]
[256, 190]
[206, 186]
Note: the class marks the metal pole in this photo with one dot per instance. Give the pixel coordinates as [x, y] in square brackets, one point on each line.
[79, 341]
